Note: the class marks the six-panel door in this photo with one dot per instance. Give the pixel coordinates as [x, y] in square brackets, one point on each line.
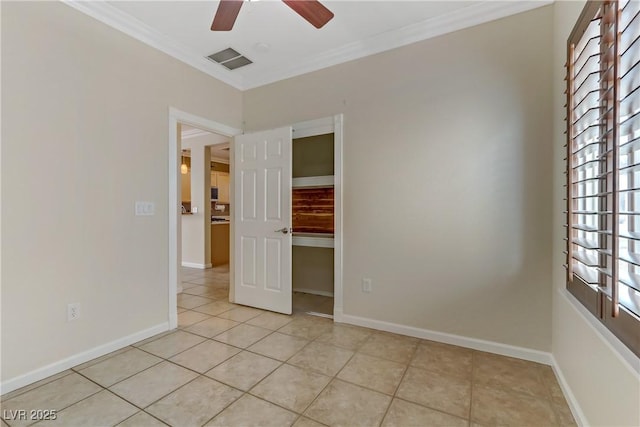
[262, 219]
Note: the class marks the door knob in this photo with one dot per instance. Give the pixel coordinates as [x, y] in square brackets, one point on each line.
[283, 230]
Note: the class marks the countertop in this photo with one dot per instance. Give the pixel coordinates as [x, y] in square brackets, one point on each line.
[219, 217]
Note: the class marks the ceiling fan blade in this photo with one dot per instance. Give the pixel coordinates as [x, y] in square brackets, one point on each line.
[226, 15]
[311, 10]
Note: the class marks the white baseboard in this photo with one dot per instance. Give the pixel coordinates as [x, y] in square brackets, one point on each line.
[476, 344]
[314, 292]
[196, 265]
[576, 410]
[71, 361]
[325, 315]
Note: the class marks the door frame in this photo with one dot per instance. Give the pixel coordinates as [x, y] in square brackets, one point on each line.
[332, 124]
[175, 228]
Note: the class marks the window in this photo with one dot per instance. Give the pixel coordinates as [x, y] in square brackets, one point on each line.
[603, 165]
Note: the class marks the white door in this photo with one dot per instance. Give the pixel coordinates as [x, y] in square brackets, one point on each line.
[262, 219]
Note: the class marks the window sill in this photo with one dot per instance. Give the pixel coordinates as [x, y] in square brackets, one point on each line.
[622, 351]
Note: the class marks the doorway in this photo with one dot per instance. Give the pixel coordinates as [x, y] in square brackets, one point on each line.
[313, 223]
[176, 119]
[316, 176]
[205, 198]
[268, 225]
[300, 130]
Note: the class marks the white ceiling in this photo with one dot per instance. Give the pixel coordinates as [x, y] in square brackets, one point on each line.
[359, 28]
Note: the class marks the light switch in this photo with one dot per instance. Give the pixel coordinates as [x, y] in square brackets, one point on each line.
[145, 208]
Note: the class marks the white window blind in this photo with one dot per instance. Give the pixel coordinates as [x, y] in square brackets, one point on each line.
[603, 165]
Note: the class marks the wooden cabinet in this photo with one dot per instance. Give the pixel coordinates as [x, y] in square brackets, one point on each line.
[223, 187]
[219, 244]
[221, 180]
[185, 185]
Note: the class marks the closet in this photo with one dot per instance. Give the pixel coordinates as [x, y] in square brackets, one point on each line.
[313, 206]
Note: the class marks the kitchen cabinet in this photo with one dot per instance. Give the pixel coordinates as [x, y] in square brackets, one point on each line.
[223, 187]
[219, 243]
[185, 186]
[221, 180]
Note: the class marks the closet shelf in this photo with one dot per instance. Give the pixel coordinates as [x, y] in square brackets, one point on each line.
[313, 181]
[313, 240]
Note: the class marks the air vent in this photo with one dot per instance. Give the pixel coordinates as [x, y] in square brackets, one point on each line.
[223, 55]
[238, 62]
[229, 58]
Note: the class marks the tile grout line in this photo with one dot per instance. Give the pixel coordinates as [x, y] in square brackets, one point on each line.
[404, 373]
[94, 394]
[182, 386]
[328, 383]
[162, 359]
[196, 372]
[550, 397]
[426, 406]
[294, 317]
[248, 392]
[141, 411]
[124, 379]
[356, 351]
[300, 414]
[473, 368]
[20, 393]
[76, 402]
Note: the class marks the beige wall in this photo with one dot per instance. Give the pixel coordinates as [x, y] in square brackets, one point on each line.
[84, 135]
[605, 386]
[313, 156]
[447, 184]
[312, 269]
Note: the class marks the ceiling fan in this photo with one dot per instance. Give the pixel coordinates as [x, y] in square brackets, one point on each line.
[311, 10]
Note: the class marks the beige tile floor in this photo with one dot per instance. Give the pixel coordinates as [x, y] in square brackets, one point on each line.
[229, 365]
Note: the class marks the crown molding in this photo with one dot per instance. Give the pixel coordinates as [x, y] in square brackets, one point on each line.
[107, 14]
[193, 133]
[470, 16]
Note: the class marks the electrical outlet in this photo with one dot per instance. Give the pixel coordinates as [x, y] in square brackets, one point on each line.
[366, 285]
[73, 312]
